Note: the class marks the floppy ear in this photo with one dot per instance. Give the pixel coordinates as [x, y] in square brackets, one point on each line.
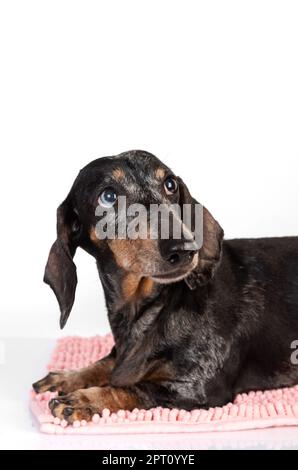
[60, 271]
[210, 252]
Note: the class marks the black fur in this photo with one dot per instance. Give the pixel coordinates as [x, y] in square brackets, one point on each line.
[227, 327]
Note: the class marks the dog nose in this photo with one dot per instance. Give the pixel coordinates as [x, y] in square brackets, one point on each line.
[175, 252]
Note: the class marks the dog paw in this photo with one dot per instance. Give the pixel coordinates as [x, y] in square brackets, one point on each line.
[79, 405]
[61, 381]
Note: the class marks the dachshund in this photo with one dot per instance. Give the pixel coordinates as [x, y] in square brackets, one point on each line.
[192, 328]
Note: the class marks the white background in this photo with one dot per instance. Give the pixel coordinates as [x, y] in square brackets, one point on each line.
[210, 87]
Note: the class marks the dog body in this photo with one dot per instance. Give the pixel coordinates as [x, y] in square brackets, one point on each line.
[191, 330]
[229, 336]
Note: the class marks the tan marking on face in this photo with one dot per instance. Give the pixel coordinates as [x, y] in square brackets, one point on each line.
[130, 286]
[93, 237]
[147, 285]
[131, 255]
[135, 257]
[135, 288]
[118, 174]
[160, 173]
[123, 253]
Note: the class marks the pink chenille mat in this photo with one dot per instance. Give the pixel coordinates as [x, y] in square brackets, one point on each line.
[249, 411]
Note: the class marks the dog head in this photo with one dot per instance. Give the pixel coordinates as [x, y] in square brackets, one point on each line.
[90, 218]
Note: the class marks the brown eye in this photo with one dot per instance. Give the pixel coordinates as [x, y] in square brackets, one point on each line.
[170, 185]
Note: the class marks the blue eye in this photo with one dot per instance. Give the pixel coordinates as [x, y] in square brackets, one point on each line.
[170, 185]
[107, 198]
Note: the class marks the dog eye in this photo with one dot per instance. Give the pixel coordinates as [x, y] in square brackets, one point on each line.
[107, 198]
[170, 185]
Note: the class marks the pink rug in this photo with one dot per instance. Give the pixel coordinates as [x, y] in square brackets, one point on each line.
[249, 411]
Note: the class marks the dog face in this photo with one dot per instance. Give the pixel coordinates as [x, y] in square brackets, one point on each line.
[142, 179]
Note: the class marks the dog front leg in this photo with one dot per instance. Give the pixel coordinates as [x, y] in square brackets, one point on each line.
[97, 374]
[83, 404]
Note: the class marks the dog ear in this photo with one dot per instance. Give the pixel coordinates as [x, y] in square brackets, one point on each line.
[60, 272]
[210, 252]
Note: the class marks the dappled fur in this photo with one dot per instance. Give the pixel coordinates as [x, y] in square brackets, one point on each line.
[227, 327]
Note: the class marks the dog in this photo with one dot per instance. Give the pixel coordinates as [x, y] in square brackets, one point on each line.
[192, 328]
